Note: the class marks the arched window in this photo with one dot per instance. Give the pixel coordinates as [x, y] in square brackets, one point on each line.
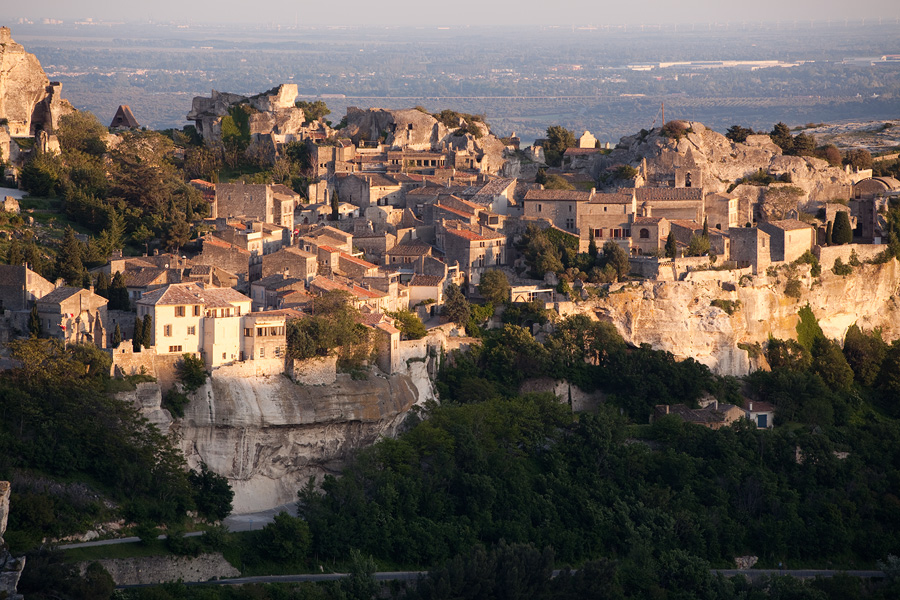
[644, 234]
[687, 180]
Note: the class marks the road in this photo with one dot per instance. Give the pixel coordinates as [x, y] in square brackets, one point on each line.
[245, 522]
[414, 575]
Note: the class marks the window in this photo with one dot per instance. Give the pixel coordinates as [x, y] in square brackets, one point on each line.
[598, 233]
[644, 234]
[174, 348]
[167, 331]
[224, 355]
[570, 223]
[192, 330]
[179, 311]
[539, 208]
[197, 310]
[570, 208]
[248, 332]
[262, 352]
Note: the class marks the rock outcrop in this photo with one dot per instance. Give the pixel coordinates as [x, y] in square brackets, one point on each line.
[723, 162]
[29, 102]
[10, 566]
[152, 570]
[268, 435]
[679, 316]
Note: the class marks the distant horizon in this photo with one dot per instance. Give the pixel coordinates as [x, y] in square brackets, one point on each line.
[355, 13]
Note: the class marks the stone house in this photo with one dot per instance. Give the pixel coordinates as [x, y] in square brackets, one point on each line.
[750, 247]
[473, 252]
[496, 196]
[649, 234]
[255, 236]
[20, 287]
[290, 261]
[762, 414]
[141, 281]
[361, 296]
[721, 212]
[560, 207]
[228, 256]
[209, 275]
[264, 334]
[193, 318]
[368, 189]
[719, 242]
[684, 203]
[374, 245]
[74, 315]
[354, 267]
[257, 201]
[712, 416]
[266, 293]
[387, 345]
[608, 217]
[790, 238]
[407, 252]
[426, 287]
[587, 140]
[333, 237]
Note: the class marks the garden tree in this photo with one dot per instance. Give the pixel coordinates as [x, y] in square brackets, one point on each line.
[698, 245]
[889, 376]
[780, 200]
[80, 131]
[541, 176]
[808, 329]
[177, 232]
[541, 253]
[286, 539]
[830, 153]
[138, 337]
[143, 175]
[360, 583]
[557, 182]
[705, 227]
[68, 259]
[334, 325]
[335, 203]
[739, 134]
[118, 293]
[494, 286]
[829, 363]
[858, 158]
[865, 352]
[558, 139]
[202, 162]
[829, 234]
[409, 324]
[671, 245]
[841, 233]
[614, 256]
[147, 331]
[781, 135]
[34, 322]
[313, 111]
[117, 336]
[456, 307]
[593, 251]
[212, 493]
[191, 372]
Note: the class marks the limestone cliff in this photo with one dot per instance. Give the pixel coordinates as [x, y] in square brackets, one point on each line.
[268, 435]
[10, 566]
[679, 317]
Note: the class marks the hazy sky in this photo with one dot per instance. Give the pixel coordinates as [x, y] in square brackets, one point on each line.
[480, 12]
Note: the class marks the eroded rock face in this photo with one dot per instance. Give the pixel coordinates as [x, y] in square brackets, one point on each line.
[10, 566]
[268, 435]
[679, 316]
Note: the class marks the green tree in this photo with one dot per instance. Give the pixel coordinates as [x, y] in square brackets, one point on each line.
[14, 254]
[615, 256]
[41, 174]
[804, 145]
[117, 336]
[781, 135]
[865, 352]
[829, 234]
[360, 584]
[738, 134]
[101, 287]
[829, 362]
[808, 329]
[671, 245]
[81, 131]
[191, 372]
[313, 111]
[858, 158]
[541, 176]
[335, 202]
[286, 539]
[34, 322]
[212, 493]
[787, 354]
[456, 307]
[780, 200]
[118, 293]
[558, 139]
[68, 260]
[494, 286]
[557, 182]
[138, 337]
[842, 233]
[409, 324]
[147, 331]
[698, 245]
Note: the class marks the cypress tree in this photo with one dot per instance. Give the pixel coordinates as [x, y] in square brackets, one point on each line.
[102, 286]
[828, 234]
[138, 337]
[117, 336]
[68, 261]
[34, 322]
[841, 233]
[14, 255]
[118, 293]
[147, 336]
[335, 214]
[705, 227]
[671, 246]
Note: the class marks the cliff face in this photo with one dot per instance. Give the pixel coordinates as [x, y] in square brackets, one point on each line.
[679, 316]
[268, 435]
[10, 566]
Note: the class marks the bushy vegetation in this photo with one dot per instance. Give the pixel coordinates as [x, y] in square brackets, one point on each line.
[334, 325]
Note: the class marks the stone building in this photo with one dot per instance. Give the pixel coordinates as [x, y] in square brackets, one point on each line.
[268, 293]
[790, 238]
[256, 201]
[74, 315]
[473, 252]
[560, 207]
[20, 287]
[232, 258]
[750, 247]
[291, 261]
[649, 234]
[264, 334]
[606, 217]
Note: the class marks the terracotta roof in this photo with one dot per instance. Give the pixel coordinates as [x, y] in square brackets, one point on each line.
[288, 313]
[454, 211]
[474, 237]
[388, 328]
[143, 277]
[192, 293]
[330, 249]
[425, 280]
[220, 243]
[358, 261]
[613, 198]
[279, 188]
[554, 195]
[409, 250]
[761, 407]
[124, 118]
[581, 151]
[667, 193]
[62, 294]
[647, 220]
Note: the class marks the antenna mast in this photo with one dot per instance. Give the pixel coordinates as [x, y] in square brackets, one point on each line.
[663, 107]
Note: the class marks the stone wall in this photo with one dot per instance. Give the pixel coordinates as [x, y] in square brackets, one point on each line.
[164, 569]
[315, 371]
[164, 367]
[567, 393]
[667, 269]
[261, 367]
[828, 254]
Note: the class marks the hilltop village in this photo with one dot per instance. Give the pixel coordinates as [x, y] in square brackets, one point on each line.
[399, 204]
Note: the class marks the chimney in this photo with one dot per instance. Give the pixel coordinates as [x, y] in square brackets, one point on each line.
[750, 407]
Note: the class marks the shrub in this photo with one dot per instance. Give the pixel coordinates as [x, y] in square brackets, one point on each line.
[175, 401]
[192, 372]
[729, 306]
[840, 268]
[792, 288]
